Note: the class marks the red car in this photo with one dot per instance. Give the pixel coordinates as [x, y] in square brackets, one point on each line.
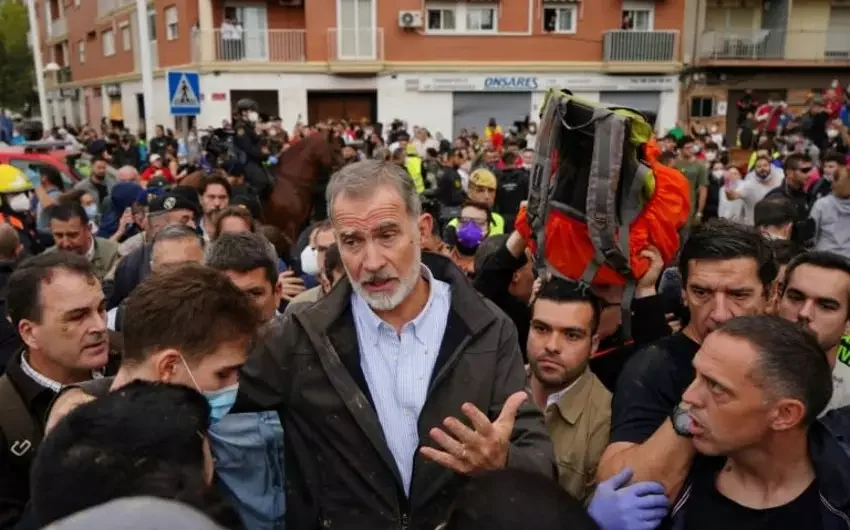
[72, 164]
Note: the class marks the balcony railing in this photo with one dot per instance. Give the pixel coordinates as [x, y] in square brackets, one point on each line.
[275, 45]
[640, 46]
[104, 7]
[58, 28]
[355, 44]
[776, 45]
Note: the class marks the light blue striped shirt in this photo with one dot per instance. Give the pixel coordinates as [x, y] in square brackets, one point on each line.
[398, 368]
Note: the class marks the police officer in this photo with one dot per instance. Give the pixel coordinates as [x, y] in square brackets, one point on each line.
[248, 141]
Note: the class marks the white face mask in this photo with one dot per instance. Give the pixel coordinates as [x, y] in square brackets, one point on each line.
[718, 173]
[711, 156]
[309, 261]
[19, 203]
[832, 133]
[253, 116]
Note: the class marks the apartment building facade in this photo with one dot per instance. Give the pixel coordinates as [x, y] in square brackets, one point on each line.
[793, 48]
[445, 65]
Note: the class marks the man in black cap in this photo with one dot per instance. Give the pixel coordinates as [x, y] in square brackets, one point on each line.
[168, 209]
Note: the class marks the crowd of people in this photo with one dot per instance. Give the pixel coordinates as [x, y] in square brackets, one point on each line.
[406, 363]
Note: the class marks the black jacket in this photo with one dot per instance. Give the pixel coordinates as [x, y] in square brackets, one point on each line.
[127, 157]
[130, 272]
[513, 189]
[340, 472]
[829, 451]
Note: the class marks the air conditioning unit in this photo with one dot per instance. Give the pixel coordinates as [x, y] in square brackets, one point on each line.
[290, 3]
[410, 19]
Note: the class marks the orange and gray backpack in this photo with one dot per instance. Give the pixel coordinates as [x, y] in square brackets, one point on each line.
[598, 198]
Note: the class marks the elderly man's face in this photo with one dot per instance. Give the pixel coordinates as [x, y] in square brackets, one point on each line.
[128, 174]
[379, 244]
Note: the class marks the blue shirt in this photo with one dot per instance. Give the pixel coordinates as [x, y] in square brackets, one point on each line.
[398, 368]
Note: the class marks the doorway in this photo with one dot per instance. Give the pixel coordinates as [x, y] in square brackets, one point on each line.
[349, 105]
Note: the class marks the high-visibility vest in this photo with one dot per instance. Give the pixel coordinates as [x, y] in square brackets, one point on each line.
[497, 224]
[413, 164]
[14, 221]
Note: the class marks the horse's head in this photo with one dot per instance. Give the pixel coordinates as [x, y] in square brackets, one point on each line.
[329, 151]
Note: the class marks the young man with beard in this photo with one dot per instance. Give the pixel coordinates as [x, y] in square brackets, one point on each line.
[752, 190]
[215, 195]
[816, 295]
[727, 271]
[370, 380]
[576, 405]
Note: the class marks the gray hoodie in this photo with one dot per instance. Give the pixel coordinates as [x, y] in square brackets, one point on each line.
[832, 218]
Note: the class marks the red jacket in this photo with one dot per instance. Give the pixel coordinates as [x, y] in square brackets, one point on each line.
[149, 173]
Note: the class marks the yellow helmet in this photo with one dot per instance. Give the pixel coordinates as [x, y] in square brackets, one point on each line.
[13, 180]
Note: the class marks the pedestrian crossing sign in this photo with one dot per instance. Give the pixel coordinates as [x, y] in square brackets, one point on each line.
[184, 92]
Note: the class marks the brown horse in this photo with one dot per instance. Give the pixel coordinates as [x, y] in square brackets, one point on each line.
[300, 178]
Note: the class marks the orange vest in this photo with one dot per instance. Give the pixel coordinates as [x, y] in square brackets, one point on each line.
[14, 221]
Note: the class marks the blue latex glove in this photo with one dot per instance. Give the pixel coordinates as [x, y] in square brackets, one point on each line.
[615, 506]
[272, 160]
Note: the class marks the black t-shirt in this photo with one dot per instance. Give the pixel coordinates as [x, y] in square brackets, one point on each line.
[708, 509]
[650, 387]
[102, 190]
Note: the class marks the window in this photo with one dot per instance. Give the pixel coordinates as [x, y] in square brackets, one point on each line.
[559, 19]
[637, 19]
[481, 19]
[81, 49]
[66, 55]
[171, 32]
[461, 17]
[33, 171]
[108, 38]
[152, 24]
[441, 19]
[702, 107]
[126, 37]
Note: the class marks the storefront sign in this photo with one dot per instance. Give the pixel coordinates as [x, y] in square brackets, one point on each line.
[511, 83]
[534, 83]
[218, 96]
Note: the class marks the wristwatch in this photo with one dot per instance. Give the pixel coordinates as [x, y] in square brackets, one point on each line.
[681, 421]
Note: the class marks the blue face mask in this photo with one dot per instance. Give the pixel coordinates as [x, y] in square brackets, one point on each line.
[221, 401]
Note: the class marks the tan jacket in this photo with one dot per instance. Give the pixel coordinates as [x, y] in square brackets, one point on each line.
[105, 256]
[579, 427]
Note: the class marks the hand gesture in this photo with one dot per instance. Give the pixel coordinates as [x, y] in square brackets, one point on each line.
[616, 506]
[290, 285]
[486, 447]
[646, 284]
[125, 221]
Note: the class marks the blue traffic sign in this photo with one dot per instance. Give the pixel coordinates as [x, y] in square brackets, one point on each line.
[184, 93]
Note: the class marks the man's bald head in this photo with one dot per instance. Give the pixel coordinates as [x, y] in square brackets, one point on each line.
[10, 243]
[128, 174]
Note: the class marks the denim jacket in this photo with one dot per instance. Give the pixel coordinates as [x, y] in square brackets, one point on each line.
[248, 450]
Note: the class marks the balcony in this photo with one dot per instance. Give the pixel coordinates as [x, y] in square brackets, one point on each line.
[356, 50]
[105, 7]
[629, 46]
[774, 48]
[58, 28]
[270, 46]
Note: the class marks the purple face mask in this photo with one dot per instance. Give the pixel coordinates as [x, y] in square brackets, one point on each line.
[469, 235]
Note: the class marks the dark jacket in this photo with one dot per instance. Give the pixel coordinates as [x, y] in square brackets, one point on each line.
[513, 189]
[340, 472]
[131, 270]
[10, 341]
[126, 157]
[829, 450]
[14, 471]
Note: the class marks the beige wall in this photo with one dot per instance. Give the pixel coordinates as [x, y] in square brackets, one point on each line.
[807, 25]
